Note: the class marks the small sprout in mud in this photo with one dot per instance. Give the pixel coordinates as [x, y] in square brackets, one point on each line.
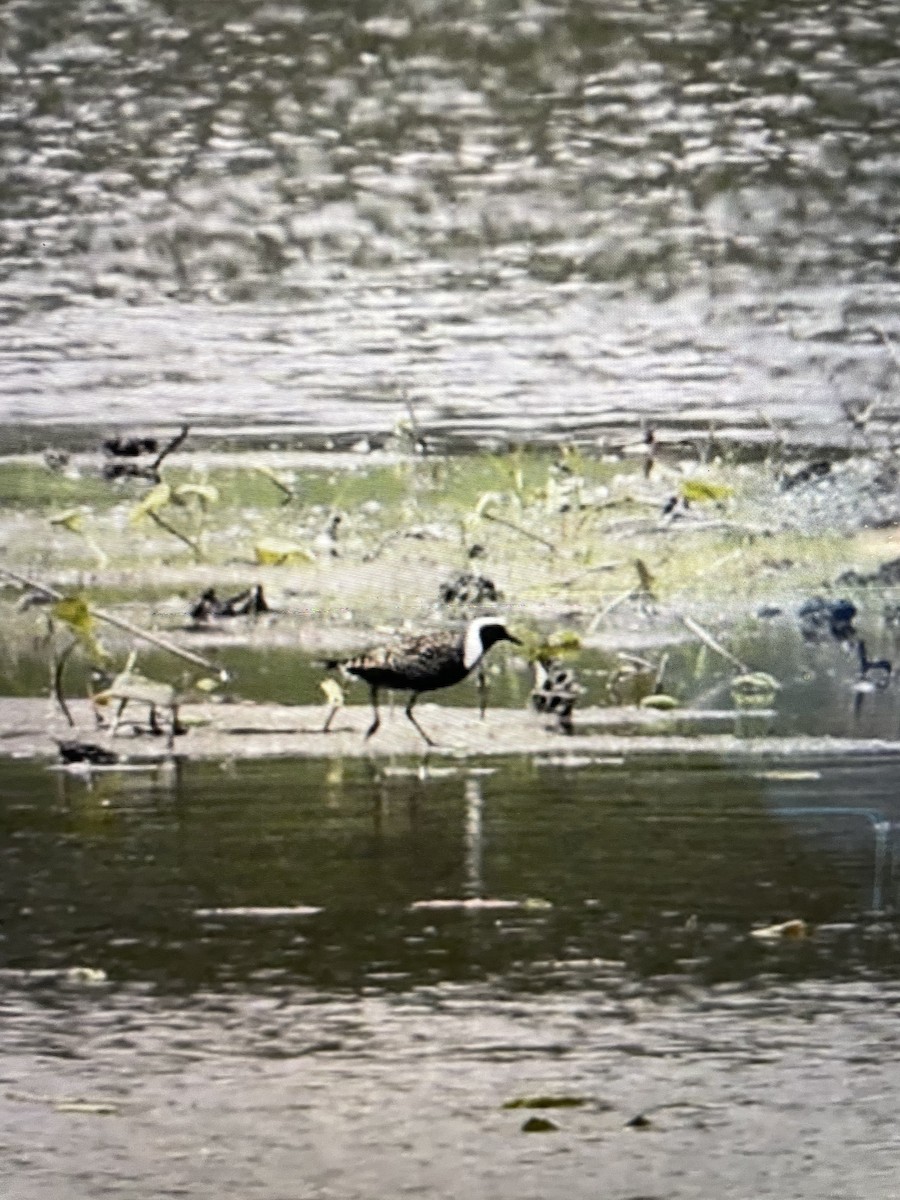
[646, 579]
[659, 700]
[546, 1102]
[279, 481]
[70, 518]
[756, 689]
[280, 552]
[539, 1125]
[796, 929]
[698, 491]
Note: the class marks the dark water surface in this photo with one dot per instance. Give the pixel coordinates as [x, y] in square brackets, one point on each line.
[533, 218]
[284, 1011]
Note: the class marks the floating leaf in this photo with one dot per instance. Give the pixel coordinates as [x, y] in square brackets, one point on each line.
[158, 497]
[660, 701]
[755, 690]
[334, 693]
[70, 519]
[87, 1107]
[278, 552]
[795, 929]
[698, 491]
[539, 1125]
[546, 1102]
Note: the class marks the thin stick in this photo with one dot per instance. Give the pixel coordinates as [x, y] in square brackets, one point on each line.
[571, 580]
[182, 537]
[120, 623]
[167, 450]
[604, 612]
[59, 665]
[710, 641]
[535, 537]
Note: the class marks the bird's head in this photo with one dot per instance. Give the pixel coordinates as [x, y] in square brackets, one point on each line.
[481, 634]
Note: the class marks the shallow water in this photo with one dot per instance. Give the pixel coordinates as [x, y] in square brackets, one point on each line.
[533, 220]
[284, 1009]
[820, 692]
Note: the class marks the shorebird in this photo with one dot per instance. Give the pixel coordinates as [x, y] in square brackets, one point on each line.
[424, 664]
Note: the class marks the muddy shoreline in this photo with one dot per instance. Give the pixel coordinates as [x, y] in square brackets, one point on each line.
[32, 728]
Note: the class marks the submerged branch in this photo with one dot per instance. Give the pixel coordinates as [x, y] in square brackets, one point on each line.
[111, 619]
[535, 537]
[707, 638]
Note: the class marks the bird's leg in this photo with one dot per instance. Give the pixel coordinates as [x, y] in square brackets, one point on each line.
[327, 726]
[117, 718]
[373, 693]
[482, 692]
[412, 699]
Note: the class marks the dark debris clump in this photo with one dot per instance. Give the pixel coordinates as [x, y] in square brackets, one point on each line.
[886, 575]
[86, 752]
[469, 590]
[819, 618]
[209, 606]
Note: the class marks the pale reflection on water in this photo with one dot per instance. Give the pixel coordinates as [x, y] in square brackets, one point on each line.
[225, 981]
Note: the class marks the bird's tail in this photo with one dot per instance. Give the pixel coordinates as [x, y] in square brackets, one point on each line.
[330, 664]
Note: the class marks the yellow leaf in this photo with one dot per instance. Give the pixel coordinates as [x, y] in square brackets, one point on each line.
[69, 519]
[204, 492]
[73, 610]
[486, 501]
[206, 684]
[660, 701]
[700, 490]
[158, 497]
[334, 693]
[277, 552]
